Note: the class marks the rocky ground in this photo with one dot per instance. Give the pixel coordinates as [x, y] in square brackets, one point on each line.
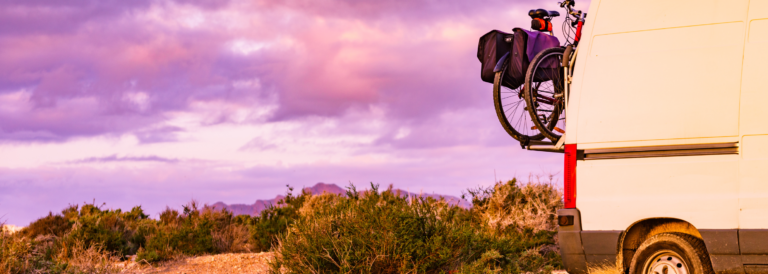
[242, 263]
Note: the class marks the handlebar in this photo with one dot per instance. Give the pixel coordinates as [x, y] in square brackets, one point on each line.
[568, 6]
[569, 3]
[578, 19]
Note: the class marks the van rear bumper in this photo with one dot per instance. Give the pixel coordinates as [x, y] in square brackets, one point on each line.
[571, 248]
[579, 248]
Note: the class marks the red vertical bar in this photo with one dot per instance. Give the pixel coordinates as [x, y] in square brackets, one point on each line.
[579, 26]
[570, 176]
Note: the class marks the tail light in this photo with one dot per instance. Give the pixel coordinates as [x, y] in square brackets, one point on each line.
[570, 176]
[541, 24]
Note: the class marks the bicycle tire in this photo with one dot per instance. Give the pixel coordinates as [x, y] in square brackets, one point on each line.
[544, 82]
[511, 111]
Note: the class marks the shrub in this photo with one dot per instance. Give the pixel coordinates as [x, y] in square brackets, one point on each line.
[48, 225]
[275, 219]
[509, 206]
[386, 232]
[82, 239]
[194, 232]
[509, 229]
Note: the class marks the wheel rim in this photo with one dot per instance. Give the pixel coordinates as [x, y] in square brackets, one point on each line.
[666, 262]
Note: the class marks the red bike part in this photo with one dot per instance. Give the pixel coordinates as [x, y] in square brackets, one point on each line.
[541, 24]
[578, 31]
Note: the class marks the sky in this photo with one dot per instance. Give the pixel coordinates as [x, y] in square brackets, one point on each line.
[155, 103]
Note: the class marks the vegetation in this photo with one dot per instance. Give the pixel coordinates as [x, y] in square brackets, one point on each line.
[81, 238]
[509, 229]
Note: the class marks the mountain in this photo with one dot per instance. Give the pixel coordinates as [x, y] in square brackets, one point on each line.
[320, 188]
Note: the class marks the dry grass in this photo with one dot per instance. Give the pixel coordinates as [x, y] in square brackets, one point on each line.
[231, 263]
[233, 238]
[532, 205]
[318, 204]
[4, 267]
[23, 256]
[93, 259]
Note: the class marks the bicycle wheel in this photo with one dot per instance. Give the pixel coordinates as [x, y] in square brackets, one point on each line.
[511, 111]
[545, 93]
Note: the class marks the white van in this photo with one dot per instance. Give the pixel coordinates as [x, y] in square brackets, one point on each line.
[667, 143]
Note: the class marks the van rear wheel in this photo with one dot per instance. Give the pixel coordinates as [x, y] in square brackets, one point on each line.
[671, 253]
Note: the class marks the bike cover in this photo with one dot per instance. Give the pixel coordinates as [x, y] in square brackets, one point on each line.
[539, 41]
[522, 49]
[525, 46]
[490, 49]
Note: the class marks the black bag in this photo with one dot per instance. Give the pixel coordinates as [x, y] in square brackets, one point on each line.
[492, 46]
[518, 60]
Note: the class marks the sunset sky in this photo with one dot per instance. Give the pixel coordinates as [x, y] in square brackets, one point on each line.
[154, 103]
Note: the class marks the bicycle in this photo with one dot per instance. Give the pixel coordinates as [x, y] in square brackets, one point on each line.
[549, 76]
[512, 105]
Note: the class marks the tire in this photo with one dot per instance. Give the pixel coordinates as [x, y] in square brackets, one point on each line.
[512, 111]
[544, 82]
[675, 252]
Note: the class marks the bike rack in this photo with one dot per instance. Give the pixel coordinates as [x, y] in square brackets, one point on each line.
[547, 146]
[544, 146]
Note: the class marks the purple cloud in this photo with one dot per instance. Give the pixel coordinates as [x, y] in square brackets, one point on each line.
[115, 158]
[264, 93]
[136, 68]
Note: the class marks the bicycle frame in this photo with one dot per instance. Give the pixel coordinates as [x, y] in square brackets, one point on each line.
[568, 70]
[579, 26]
[578, 15]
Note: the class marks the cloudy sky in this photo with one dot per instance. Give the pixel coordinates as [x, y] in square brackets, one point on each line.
[154, 103]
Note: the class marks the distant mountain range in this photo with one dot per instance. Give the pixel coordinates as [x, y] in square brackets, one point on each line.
[320, 188]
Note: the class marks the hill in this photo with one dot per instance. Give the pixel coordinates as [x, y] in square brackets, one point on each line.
[320, 188]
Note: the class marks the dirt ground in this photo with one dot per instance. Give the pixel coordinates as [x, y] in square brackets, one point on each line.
[256, 263]
[242, 263]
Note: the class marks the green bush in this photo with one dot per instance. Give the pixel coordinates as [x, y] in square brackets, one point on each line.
[509, 229]
[385, 232]
[49, 225]
[275, 219]
[80, 238]
[194, 232]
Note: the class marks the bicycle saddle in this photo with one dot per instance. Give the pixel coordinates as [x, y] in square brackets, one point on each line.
[543, 14]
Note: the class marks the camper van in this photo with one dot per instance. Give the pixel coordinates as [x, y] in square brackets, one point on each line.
[666, 154]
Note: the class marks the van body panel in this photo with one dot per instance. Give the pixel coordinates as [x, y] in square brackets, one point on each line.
[600, 247]
[753, 198]
[721, 241]
[702, 190]
[753, 126]
[571, 247]
[673, 74]
[627, 16]
[754, 83]
[753, 241]
[648, 85]
[758, 9]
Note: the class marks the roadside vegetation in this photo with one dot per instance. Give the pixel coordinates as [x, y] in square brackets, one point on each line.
[509, 229]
